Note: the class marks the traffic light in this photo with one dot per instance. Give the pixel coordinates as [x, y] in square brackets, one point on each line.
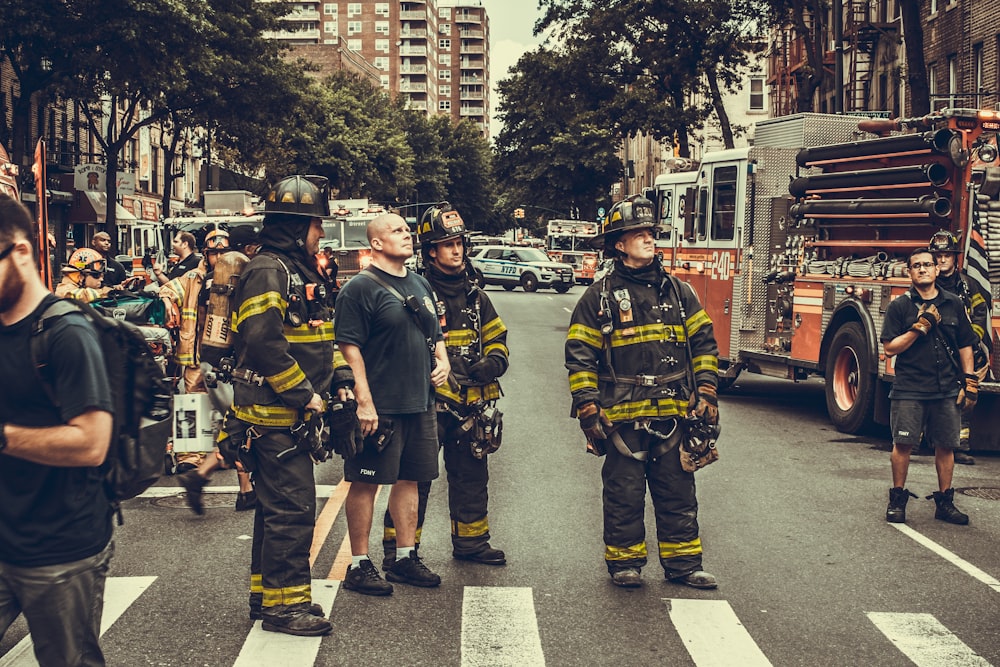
[519, 213]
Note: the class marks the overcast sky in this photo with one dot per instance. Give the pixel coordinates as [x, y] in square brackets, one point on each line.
[511, 23]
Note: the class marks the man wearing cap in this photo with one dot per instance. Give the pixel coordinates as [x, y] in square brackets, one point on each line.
[114, 273]
[642, 356]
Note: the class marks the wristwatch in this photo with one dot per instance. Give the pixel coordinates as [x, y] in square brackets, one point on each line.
[3, 437]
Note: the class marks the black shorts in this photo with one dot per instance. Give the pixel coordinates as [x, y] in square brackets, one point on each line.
[938, 419]
[411, 455]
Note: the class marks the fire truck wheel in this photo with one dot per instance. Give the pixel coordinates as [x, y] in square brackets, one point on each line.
[528, 282]
[850, 380]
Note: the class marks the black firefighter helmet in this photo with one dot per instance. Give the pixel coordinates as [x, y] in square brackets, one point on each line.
[306, 196]
[943, 241]
[440, 222]
[635, 212]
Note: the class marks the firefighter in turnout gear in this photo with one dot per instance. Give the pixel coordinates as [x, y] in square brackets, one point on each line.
[978, 304]
[630, 375]
[83, 276]
[468, 422]
[285, 361]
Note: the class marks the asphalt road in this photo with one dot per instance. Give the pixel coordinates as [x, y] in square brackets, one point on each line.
[792, 521]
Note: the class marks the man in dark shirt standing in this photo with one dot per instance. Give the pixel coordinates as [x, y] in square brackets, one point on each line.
[55, 518]
[114, 272]
[183, 246]
[929, 334]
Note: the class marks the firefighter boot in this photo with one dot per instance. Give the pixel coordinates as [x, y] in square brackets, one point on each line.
[629, 577]
[257, 611]
[193, 484]
[295, 619]
[389, 554]
[487, 556]
[946, 510]
[896, 511]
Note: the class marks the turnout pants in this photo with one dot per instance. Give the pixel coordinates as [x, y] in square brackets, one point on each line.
[468, 497]
[674, 504]
[283, 521]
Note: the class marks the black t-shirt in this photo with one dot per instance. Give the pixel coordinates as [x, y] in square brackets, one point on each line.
[183, 266]
[51, 515]
[924, 370]
[397, 358]
[115, 273]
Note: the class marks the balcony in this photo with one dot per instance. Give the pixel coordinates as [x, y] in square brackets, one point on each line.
[472, 95]
[413, 34]
[471, 34]
[471, 80]
[420, 15]
[413, 51]
[413, 69]
[418, 105]
[290, 34]
[472, 111]
[302, 15]
[471, 48]
[412, 87]
[468, 18]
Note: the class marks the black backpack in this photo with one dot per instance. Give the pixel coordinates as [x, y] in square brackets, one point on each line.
[140, 393]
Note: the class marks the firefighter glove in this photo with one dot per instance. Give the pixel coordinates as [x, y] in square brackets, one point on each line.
[707, 405]
[487, 369]
[928, 317]
[592, 421]
[345, 430]
[969, 394]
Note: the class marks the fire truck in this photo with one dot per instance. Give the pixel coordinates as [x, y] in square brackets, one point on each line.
[797, 244]
[568, 241]
[346, 236]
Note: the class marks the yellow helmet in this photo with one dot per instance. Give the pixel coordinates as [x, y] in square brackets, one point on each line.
[85, 260]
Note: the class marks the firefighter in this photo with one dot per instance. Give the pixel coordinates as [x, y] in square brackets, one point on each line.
[977, 303]
[83, 276]
[630, 375]
[285, 360]
[476, 340]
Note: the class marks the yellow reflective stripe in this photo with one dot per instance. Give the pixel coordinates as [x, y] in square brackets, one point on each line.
[189, 313]
[490, 392]
[287, 595]
[420, 529]
[586, 335]
[625, 553]
[978, 331]
[460, 337]
[697, 321]
[267, 415]
[678, 549]
[705, 362]
[493, 328]
[976, 299]
[647, 333]
[474, 529]
[256, 583]
[338, 358]
[445, 392]
[308, 334]
[286, 379]
[496, 347]
[258, 304]
[632, 410]
[186, 359]
[388, 534]
[582, 380]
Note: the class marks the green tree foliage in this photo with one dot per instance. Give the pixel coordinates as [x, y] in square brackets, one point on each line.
[469, 163]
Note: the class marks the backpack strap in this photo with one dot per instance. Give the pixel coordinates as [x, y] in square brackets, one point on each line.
[371, 275]
[40, 331]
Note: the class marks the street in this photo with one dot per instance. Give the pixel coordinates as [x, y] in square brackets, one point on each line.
[792, 520]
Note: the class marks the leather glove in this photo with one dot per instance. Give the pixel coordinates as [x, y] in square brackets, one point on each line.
[592, 421]
[928, 317]
[486, 369]
[969, 394]
[345, 430]
[708, 403]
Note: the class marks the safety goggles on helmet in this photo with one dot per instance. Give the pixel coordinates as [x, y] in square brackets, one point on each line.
[85, 260]
[217, 241]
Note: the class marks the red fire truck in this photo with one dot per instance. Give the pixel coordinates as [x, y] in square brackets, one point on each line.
[797, 244]
[568, 241]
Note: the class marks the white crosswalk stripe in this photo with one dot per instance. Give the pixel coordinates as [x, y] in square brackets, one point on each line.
[119, 594]
[499, 628]
[926, 642]
[274, 648]
[713, 635]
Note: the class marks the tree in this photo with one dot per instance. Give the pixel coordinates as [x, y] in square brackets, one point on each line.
[807, 18]
[916, 68]
[469, 165]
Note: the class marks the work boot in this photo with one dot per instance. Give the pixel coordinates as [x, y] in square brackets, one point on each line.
[412, 571]
[295, 619]
[257, 612]
[896, 511]
[366, 580]
[964, 459]
[946, 510]
[630, 577]
[193, 484]
[487, 556]
[246, 501]
[697, 579]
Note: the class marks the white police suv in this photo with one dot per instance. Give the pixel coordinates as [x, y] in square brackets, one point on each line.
[513, 266]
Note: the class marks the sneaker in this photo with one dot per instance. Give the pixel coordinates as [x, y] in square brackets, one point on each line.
[697, 579]
[896, 510]
[412, 571]
[295, 619]
[964, 459]
[487, 556]
[366, 580]
[193, 484]
[257, 613]
[628, 578]
[946, 510]
[246, 501]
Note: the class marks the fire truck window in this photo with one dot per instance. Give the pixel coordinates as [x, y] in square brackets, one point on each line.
[702, 214]
[724, 204]
[665, 205]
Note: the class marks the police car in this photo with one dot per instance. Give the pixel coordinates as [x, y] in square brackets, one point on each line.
[513, 266]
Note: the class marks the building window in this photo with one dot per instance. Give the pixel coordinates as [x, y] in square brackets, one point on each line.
[382, 45]
[444, 105]
[756, 93]
[977, 73]
[353, 9]
[444, 74]
[932, 87]
[444, 89]
[382, 27]
[381, 9]
[330, 8]
[382, 63]
[444, 12]
[444, 59]
[384, 80]
[330, 27]
[444, 44]
[354, 45]
[444, 28]
[952, 80]
[354, 27]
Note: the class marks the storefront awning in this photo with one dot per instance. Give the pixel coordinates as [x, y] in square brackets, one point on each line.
[98, 201]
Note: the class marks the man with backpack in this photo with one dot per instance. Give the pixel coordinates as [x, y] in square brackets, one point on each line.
[55, 516]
